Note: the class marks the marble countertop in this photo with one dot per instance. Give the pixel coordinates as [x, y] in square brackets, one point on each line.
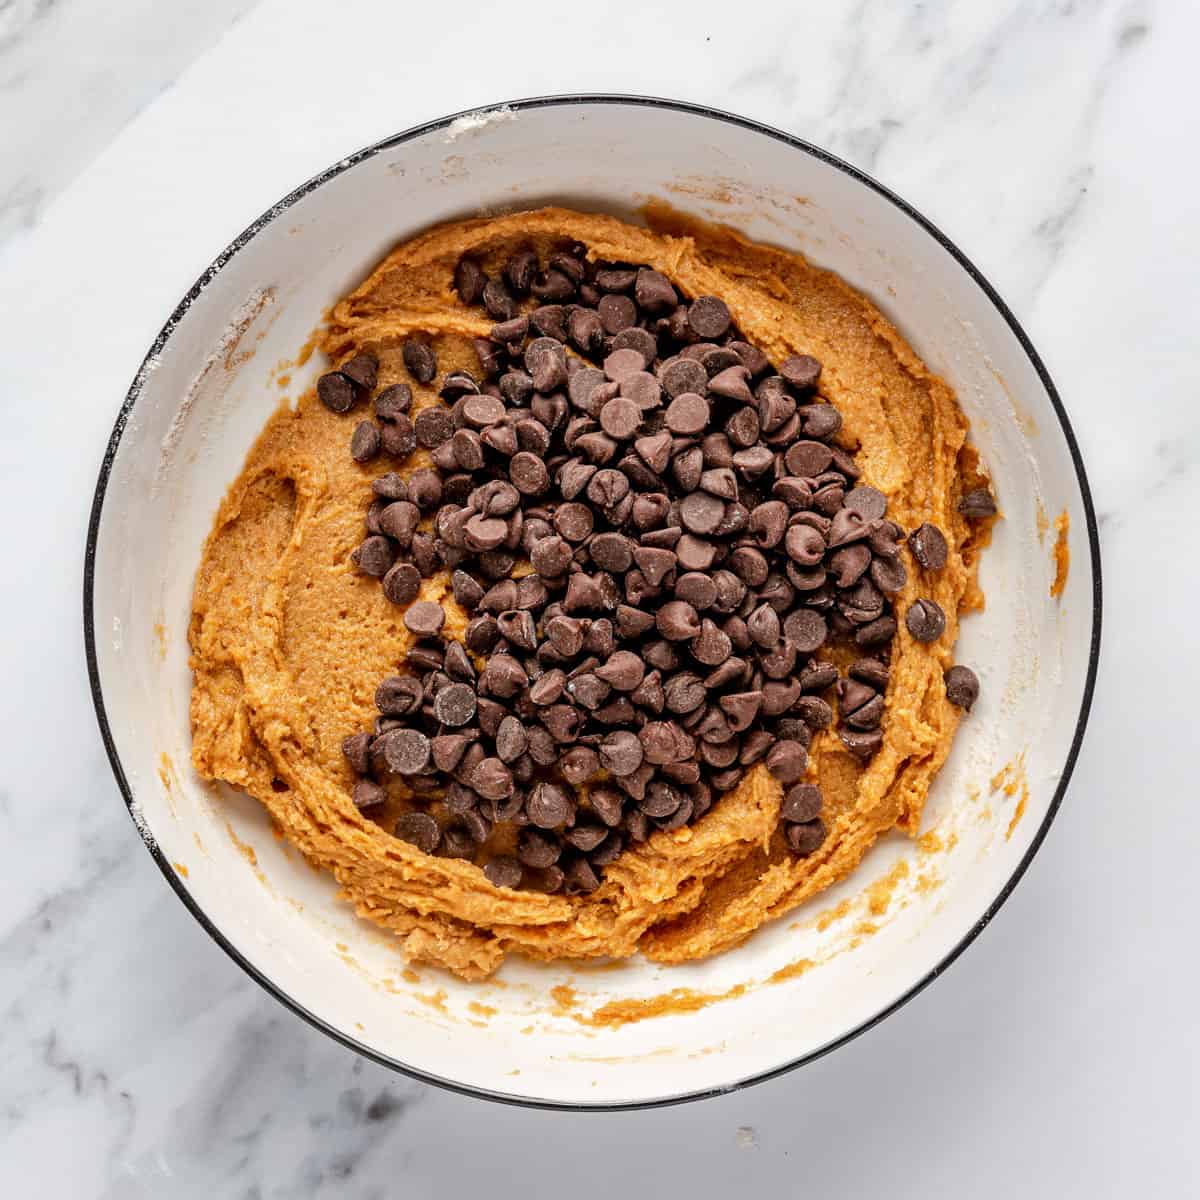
[1055, 142]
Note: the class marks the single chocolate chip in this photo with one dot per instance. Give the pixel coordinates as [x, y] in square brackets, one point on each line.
[654, 291]
[504, 871]
[390, 487]
[623, 671]
[709, 317]
[695, 553]
[684, 692]
[962, 687]
[616, 312]
[734, 384]
[683, 375]
[425, 618]
[622, 364]
[355, 748]
[701, 512]
[405, 751]
[492, 779]
[481, 411]
[620, 418]
[820, 421]
[712, 647]
[977, 504]
[425, 488]
[863, 744]
[420, 829]
[420, 360]
[888, 575]
[786, 761]
[870, 503]
[677, 621]
[397, 695]
[928, 546]
[538, 849]
[925, 620]
[876, 633]
[801, 371]
[499, 301]
[564, 722]
[336, 392]
[455, 705]
[687, 414]
[806, 630]
[368, 794]
[402, 583]
[375, 556]
[469, 280]
[805, 545]
[398, 438]
[433, 426]
[365, 443]
[548, 806]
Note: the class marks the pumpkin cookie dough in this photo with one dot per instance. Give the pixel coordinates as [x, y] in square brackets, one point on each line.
[297, 620]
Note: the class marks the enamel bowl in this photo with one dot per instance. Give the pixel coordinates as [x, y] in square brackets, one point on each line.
[798, 987]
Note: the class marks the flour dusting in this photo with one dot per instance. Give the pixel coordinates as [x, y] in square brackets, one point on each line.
[474, 122]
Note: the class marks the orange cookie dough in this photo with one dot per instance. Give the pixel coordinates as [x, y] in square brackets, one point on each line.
[288, 641]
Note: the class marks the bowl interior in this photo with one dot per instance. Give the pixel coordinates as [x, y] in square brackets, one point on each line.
[229, 357]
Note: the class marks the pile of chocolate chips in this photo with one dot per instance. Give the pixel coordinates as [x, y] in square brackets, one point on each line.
[696, 538]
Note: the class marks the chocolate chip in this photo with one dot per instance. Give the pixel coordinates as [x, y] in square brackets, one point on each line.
[504, 872]
[702, 512]
[712, 647]
[925, 620]
[801, 371]
[538, 849]
[677, 621]
[499, 301]
[375, 556]
[870, 503]
[620, 418]
[805, 545]
[433, 426]
[683, 375]
[806, 630]
[888, 575]
[405, 751]
[492, 779]
[424, 618]
[548, 806]
[962, 687]
[447, 751]
[928, 546]
[654, 291]
[397, 437]
[336, 392]
[355, 749]
[694, 553]
[863, 744]
[420, 360]
[365, 442]
[786, 761]
[876, 633]
[368, 794]
[687, 414]
[469, 280]
[398, 695]
[709, 317]
[977, 504]
[621, 364]
[401, 583]
[420, 829]
[734, 384]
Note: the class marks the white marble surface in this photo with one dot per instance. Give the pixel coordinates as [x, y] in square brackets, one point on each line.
[1056, 143]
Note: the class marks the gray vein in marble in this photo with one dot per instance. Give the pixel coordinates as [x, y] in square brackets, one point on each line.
[74, 74]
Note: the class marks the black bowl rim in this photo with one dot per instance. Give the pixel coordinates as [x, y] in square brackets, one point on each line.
[527, 105]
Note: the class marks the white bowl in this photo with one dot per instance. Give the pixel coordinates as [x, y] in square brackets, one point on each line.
[210, 382]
